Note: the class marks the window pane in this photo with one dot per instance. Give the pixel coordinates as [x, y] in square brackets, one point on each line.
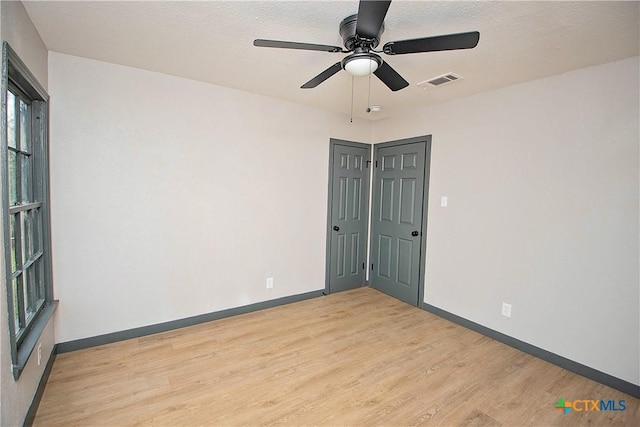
[14, 249]
[32, 236]
[25, 127]
[26, 175]
[16, 316]
[36, 222]
[27, 242]
[11, 119]
[19, 303]
[27, 294]
[13, 178]
[40, 290]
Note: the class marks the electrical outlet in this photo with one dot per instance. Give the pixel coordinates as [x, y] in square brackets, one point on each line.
[444, 201]
[506, 309]
[269, 282]
[39, 354]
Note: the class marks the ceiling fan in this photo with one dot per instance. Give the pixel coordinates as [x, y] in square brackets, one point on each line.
[361, 35]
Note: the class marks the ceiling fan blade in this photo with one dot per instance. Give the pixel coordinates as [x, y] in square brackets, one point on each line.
[390, 77]
[296, 45]
[371, 15]
[322, 76]
[432, 44]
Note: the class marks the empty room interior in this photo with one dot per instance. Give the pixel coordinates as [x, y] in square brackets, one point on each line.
[320, 213]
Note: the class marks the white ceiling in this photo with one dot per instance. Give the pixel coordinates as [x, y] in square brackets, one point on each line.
[211, 41]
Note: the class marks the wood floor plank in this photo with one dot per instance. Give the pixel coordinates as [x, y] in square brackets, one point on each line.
[353, 358]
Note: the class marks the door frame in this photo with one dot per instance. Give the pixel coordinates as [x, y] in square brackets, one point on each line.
[425, 204]
[333, 142]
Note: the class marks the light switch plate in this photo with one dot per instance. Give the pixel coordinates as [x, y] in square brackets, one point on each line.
[444, 201]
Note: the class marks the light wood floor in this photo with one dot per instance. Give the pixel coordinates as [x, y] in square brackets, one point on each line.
[353, 358]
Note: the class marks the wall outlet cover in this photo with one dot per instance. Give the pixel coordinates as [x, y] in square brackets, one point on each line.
[506, 309]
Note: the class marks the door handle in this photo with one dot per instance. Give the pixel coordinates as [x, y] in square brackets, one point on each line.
[415, 233]
[336, 228]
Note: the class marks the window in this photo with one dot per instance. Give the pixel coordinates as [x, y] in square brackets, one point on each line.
[25, 212]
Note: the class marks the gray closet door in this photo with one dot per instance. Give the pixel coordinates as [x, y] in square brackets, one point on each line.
[398, 205]
[348, 216]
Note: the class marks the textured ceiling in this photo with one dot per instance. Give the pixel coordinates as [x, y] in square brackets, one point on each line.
[211, 41]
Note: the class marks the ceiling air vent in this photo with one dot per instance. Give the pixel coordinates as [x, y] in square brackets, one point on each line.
[440, 80]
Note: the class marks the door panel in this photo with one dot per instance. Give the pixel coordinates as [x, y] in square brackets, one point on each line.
[348, 216]
[356, 257]
[398, 200]
[386, 199]
[384, 256]
[407, 201]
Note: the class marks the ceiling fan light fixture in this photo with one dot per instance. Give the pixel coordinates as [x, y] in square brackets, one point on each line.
[359, 66]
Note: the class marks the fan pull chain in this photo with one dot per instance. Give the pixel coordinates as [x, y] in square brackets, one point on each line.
[369, 94]
[351, 119]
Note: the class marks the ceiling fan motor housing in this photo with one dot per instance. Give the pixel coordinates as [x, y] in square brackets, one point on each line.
[351, 40]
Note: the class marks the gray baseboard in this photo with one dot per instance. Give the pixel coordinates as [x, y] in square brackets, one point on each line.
[180, 323]
[33, 408]
[568, 364]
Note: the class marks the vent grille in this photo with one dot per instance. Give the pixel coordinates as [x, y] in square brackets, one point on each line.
[440, 80]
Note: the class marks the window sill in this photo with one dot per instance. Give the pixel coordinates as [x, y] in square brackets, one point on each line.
[32, 338]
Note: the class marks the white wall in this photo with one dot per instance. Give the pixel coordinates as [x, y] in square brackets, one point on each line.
[543, 187]
[23, 37]
[17, 29]
[173, 198]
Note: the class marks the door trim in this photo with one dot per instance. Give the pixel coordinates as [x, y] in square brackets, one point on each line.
[425, 206]
[332, 145]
